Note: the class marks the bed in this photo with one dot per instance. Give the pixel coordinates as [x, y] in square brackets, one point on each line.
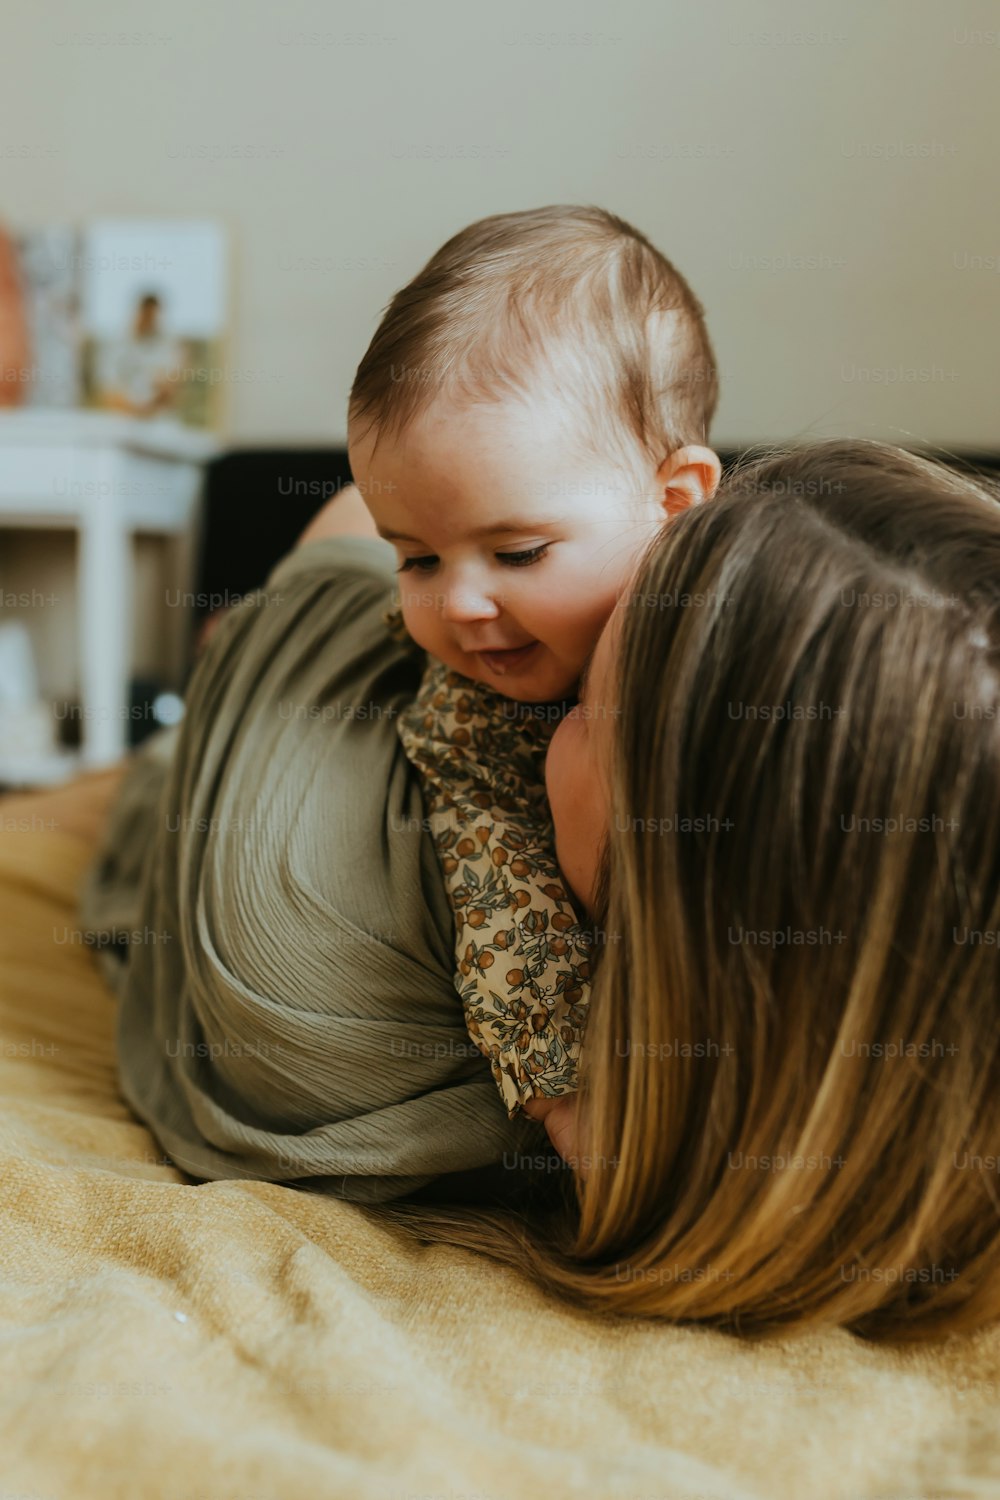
[238, 1339]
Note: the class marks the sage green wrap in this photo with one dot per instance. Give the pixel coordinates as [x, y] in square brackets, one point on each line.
[287, 1006]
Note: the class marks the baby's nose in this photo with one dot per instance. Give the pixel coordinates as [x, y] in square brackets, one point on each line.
[464, 604]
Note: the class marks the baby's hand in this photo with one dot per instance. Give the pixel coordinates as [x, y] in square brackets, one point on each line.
[559, 1119]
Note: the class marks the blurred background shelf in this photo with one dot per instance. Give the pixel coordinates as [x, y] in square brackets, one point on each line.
[107, 478]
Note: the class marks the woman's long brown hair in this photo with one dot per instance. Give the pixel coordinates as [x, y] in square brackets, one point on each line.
[791, 1087]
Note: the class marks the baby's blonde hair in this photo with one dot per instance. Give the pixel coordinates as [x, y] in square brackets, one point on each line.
[568, 298]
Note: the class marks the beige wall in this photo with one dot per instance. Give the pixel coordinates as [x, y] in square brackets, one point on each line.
[824, 175]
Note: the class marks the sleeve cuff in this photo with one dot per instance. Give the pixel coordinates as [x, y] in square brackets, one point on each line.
[545, 1069]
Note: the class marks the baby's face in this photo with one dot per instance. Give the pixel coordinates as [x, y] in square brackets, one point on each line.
[513, 544]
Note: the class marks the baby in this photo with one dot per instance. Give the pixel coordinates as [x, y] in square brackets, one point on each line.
[532, 406]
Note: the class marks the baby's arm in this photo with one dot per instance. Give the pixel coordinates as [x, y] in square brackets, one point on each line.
[560, 1121]
[523, 957]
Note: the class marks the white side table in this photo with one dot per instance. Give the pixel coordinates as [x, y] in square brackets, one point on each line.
[108, 477]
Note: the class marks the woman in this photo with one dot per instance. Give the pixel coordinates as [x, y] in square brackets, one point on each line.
[790, 1103]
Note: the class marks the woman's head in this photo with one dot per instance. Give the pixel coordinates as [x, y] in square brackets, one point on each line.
[790, 1074]
[803, 910]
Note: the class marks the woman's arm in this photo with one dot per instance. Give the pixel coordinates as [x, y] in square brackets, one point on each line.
[345, 515]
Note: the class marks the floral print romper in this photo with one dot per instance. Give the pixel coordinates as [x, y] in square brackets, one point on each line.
[522, 953]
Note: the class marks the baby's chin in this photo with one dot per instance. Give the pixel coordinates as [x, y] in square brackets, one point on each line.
[548, 683]
[525, 693]
[545, 680]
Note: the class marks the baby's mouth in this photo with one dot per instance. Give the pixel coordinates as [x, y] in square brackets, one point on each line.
[503, 663]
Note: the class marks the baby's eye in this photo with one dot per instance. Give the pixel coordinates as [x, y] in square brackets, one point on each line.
[421, 564]
[523, 559]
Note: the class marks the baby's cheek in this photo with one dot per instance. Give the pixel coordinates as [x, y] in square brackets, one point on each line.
[577, 609]
[417, 616]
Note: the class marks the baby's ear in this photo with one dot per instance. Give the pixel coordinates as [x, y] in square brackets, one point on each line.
[688, 476]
